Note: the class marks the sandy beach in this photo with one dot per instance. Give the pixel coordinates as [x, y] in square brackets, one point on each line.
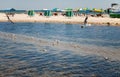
[106, 20]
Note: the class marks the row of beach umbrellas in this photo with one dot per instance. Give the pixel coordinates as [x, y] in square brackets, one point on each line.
[79, 10]
[68, 9]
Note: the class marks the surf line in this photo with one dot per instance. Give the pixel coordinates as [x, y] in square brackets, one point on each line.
[9, 19]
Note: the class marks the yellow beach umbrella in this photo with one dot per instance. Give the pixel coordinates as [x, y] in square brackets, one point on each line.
[98, 10]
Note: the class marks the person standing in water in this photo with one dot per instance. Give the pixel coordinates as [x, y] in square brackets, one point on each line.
[85, 21]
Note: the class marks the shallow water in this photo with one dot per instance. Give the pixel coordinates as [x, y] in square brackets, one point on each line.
[22, 56]
[98, 35]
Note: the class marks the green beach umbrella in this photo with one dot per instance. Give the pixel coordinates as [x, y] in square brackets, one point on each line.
[68, 9]
[31, 13]
[69, 12]
[47, 13]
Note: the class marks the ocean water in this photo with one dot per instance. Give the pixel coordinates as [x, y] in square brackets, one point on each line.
[59, 50]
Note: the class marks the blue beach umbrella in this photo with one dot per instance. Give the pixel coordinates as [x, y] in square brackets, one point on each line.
[12, 9]
[56, 10]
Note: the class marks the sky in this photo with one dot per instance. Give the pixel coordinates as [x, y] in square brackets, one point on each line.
[50, 4]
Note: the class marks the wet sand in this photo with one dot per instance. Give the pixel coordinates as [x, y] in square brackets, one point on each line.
[106, 20]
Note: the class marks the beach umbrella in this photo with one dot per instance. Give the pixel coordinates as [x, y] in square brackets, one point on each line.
[77, 9]
[85, 8]
[56, 10]
[69, 12]
[31, 13]
[98, 10]
[68, 9]
[82, 10]
[12, 10]
[47, 13]
[43, 10]
[88, 10]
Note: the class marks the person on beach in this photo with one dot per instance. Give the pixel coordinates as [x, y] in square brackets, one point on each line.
[9, 19]
[85, 21]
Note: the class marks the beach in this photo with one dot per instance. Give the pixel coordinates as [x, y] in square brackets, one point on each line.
[105, 20]
[60, 38]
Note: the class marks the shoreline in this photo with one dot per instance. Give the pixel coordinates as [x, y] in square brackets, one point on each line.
[62, 19]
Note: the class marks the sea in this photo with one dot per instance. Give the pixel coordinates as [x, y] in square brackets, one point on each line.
[59, 50]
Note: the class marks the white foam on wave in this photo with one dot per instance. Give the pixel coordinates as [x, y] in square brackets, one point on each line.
[88, 25]
[112, 53]
[79, 40]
